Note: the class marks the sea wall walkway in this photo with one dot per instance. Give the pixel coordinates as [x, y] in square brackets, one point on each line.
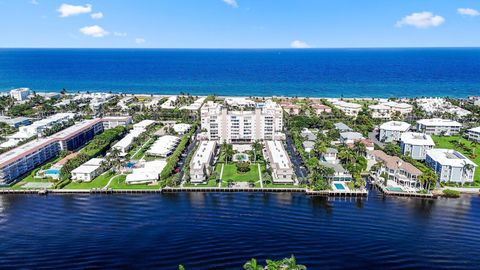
[326, 193]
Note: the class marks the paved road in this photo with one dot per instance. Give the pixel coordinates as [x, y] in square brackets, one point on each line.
[373, 136]
[185, 154]
[297, 161]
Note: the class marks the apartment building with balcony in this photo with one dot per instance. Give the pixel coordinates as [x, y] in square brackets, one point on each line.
[223, 123]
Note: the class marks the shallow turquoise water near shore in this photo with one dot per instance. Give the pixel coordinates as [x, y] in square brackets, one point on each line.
[313, 73]
[223, 230]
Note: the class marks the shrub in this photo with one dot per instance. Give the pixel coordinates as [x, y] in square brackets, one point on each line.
[243, 167]
[451, 193]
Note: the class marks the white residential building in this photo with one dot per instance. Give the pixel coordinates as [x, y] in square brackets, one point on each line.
[88, 171]
[201, 160]
[437, 126]
[37, 127]
[20, 94]
[263, 122]
[282, 168]
[416, 145]
[450, 165]
[350, 109]
[393, 130]
[115, 121]
[386, 110]
[143, 125]
[164, 146]
[350, 137]
[124, 145]
[147, 174]
[195, 106]
[474, 134]
[440, 105]
[170, 103]
[181, 128]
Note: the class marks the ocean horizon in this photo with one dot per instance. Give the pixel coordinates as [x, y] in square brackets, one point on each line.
[328, 72]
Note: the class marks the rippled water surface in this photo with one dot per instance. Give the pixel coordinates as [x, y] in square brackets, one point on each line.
[222, 231]
[313, 73]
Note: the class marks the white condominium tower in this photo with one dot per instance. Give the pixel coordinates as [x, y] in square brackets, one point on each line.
[233, 124]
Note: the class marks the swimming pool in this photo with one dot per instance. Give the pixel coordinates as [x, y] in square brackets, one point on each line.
[339, 186]
[52, 171]
[396, 189]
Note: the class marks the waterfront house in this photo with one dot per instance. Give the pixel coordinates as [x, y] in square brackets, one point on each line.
[201, 162]
[282, 168]
[340, 173]
[394, 169]
[450, 165]
[88, 171]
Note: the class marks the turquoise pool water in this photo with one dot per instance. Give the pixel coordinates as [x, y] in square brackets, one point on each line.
[339, 186]
[396, 189]
[52, 171]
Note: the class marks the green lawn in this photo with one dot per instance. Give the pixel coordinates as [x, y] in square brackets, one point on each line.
[230, 172]
[444, 142]
[119, 183]
[99, 182]
[142, 151]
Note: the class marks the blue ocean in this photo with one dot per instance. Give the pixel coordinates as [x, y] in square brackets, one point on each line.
[313, 72]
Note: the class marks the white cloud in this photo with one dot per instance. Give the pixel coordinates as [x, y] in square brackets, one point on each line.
[232, 3]
[34, 2]
[421, 20]
[298, 44]
[468, 11]
[97, 15]
[119, 34]
[140, 40]
[94, 31]
[67, 10]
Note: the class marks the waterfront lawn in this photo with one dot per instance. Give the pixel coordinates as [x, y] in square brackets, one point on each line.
[230, 172]
[99, 182]
[119, 183]
[444, 142]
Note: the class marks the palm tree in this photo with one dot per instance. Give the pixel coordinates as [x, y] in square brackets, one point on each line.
[428, 179]
[346, 155]
[359, 148]
[229, 152]
[291, 264]
[256, 147]
[467, 167]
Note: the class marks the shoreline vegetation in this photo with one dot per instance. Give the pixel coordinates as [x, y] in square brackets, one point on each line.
[225, 174]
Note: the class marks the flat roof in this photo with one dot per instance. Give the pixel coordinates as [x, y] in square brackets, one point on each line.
[449, 157]
[475, 129]
[144, 123]
[439, 122]
[395, 126]
[415, 138]
[164, 145]
[279, 155]
[203, 154]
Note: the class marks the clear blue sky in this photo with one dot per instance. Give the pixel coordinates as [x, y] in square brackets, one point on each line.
[239, 23]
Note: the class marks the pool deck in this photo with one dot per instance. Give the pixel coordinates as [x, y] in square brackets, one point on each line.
[385, 191]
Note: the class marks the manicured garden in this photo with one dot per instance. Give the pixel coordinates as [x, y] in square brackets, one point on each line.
[119, 183]
[464, 146]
